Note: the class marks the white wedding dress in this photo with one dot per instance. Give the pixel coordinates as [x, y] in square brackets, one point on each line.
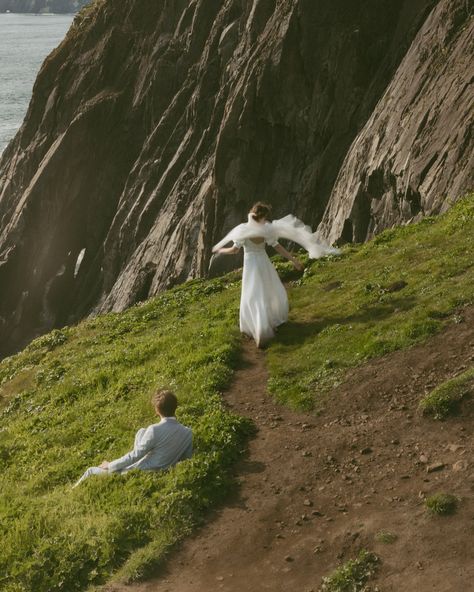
[264, 302]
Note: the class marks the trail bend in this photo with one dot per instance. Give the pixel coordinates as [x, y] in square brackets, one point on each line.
[314, 490]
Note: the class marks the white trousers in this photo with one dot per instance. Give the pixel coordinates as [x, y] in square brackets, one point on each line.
[91, 471]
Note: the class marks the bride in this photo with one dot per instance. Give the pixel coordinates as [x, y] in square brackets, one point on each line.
[264, 302]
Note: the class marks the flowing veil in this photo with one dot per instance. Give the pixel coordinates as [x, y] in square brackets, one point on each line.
[289, 227]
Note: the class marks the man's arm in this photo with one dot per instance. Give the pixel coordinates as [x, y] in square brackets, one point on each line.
[144, 444]
[189, 451]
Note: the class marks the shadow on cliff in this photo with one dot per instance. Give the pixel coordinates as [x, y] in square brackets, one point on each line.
[293, 332]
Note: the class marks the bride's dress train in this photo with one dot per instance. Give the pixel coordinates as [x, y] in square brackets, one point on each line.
[264, 302]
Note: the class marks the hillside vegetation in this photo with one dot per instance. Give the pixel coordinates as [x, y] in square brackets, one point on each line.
[387, 294]
[76, 396]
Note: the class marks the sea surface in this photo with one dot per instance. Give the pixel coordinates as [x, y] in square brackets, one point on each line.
[25, 41]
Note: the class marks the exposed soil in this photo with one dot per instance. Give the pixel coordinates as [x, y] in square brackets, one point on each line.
[316, 489]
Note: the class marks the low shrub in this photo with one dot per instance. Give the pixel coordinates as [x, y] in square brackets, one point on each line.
[386, 537]
[445, 399]
[441, 504]
[352, 575]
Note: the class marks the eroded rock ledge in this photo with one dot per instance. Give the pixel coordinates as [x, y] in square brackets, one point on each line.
[154, 126]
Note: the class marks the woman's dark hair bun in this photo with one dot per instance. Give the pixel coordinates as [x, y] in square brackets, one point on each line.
[260, 210]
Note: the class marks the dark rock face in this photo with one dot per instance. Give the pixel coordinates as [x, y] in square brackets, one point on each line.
[42, 6]
[153, 127]
[415, 154]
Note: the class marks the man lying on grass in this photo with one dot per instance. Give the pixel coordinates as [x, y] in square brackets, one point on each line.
[157, 447]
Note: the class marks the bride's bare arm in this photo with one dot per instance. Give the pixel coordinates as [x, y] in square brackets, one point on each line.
[227, 250]
[279, 249]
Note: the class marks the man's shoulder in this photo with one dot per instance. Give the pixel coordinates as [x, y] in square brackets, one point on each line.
[186, 428]
[150, 431]
[167, 425]
[182, 427]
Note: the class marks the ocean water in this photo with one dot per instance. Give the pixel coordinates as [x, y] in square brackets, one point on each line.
[25, 41]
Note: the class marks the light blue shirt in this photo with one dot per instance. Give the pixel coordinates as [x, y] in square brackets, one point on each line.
[157, 447]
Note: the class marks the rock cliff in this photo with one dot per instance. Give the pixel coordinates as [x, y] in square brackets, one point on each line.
[415, 155]
[154, 126]
[42, 6]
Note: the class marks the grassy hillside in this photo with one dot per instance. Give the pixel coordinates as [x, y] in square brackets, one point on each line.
[77, 396]
[388, 294]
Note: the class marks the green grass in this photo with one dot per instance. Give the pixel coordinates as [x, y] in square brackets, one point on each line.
[352, 575]
[441, 504]
[445, 399]
[386, 537]
[77, 396]
[346, 310]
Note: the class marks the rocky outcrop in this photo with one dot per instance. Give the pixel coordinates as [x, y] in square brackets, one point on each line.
[42, 6]
[415, 154]
[154, 126]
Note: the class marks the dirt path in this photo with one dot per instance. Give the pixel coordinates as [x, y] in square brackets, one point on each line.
[315, 490]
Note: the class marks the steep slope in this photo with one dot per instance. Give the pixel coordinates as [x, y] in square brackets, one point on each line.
[81, 393]
[74, 397]
[316, 490]
[151, 130]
